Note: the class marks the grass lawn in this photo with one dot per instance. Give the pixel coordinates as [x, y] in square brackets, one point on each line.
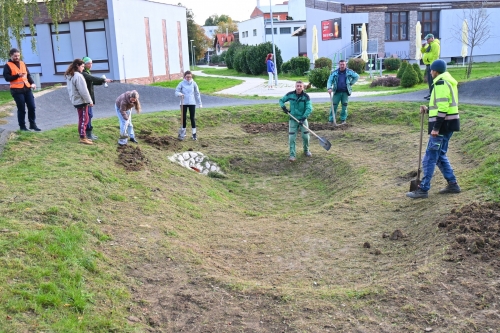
[5, 97]
[88, 246]
[207, 85]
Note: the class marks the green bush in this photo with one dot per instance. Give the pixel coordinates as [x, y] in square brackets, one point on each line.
[392, 64]
[231, 53]
[357, 64]
[409, 78]
[214, 59]
[417, 70]
[222, 56]
[236, 63]
[402, 69]
[386, 81]
[318, 77]
[323, 63]
[265, 49]
[286, 67]
[243, 60]
[300, 65]
[256, 58]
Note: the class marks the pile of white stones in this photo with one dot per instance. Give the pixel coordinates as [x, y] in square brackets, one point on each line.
[195, 161]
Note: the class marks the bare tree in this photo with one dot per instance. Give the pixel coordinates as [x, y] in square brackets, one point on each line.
[478, 29]
[16, 14]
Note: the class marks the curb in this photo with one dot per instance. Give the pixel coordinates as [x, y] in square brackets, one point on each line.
[4, 137]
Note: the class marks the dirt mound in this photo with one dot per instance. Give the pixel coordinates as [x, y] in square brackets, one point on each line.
[161, 142]
[131, 158]
[476, 228]
[282, 127]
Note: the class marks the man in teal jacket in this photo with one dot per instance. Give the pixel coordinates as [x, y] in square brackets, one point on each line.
[340, 84]
[300, 108]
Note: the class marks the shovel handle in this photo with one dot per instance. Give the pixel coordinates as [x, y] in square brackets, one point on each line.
[333, 112]
[307, 128]
[420, 148]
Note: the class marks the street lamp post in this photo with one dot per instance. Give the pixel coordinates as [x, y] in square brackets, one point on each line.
[194, 57]
[192, 40]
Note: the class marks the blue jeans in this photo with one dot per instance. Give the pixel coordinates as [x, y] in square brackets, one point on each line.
[125, 126]
[91, 115]
[435, 154]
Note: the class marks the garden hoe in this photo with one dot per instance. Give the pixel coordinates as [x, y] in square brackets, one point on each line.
[414, 183]
[322, 141]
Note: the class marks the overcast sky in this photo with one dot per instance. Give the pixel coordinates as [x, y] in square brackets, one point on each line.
[239, 10]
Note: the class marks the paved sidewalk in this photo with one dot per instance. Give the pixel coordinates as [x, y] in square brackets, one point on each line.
[258, 87]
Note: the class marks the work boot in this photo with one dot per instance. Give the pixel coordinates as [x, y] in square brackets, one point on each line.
[291, 159]
[194, 137]
[451, 188]
[90, 135]
[86, 141]
[308, 154]
[427, 97]
[343, 122]
[24, 129]
[34, 127]
[417, 194]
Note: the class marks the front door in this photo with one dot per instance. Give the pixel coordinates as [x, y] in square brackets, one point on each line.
[356, 36]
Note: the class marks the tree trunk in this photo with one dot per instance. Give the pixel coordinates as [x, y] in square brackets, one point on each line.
[469, 65]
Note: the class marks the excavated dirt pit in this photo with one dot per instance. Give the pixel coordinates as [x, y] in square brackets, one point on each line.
[283, 127]
[131, 158]
[476, 228]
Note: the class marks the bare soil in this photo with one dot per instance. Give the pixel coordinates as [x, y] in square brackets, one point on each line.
[282, 127]
[165, 142]
[328, 244]
[131, 158]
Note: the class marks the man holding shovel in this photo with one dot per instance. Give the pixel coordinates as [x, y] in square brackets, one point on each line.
[340, 84]
[443, 121]
[300, 108]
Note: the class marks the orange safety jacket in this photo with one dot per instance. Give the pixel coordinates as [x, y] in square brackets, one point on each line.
[20, 82]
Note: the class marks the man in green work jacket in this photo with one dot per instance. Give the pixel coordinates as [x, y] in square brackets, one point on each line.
[430, 52]
[300, 108]
[443, 121]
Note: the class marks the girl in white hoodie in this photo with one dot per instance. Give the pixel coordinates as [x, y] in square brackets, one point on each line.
[188, 90]
[79, 96]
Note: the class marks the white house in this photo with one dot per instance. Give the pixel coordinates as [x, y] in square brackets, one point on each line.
[133, 41]
[391, 27]
[258, 30]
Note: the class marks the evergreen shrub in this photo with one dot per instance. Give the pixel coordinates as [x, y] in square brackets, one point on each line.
[323, 62]
[409, 78]
[392, 64]
[357, 64]
[402, 69]
[420, 75]
[318, 77]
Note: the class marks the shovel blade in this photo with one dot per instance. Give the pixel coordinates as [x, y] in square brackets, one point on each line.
[414, 185]
[324, 143]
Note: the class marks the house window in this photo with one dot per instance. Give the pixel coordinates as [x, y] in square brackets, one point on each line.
[268, 31]
[429, 21]
[396, 26]
[255, 32]
[61, 47]
[95, 41]
[284, 31]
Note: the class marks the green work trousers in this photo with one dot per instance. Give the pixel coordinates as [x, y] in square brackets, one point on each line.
[293, 128]
[339, 97]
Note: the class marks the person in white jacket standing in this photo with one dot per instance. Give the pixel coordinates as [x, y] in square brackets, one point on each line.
[79, 96]
[189, 93]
